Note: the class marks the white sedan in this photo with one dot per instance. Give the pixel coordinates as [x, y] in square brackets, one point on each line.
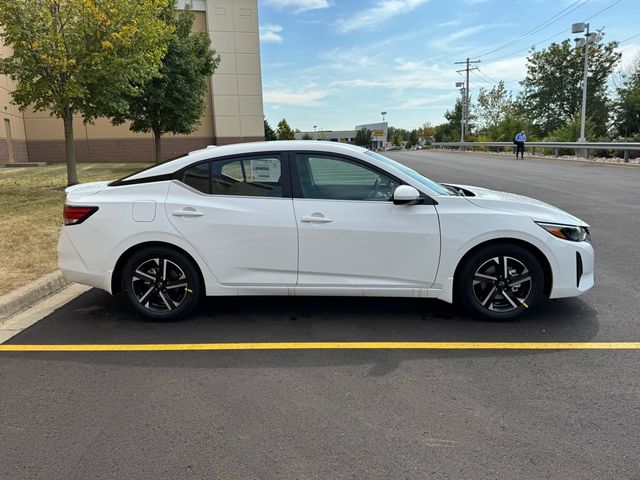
[316, 218]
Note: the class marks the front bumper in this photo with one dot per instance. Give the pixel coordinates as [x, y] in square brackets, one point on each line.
[573, 273]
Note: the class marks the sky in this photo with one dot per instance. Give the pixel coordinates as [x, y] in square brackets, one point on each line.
[335, 64]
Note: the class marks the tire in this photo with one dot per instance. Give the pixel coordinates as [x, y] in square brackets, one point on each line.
[485, 290]
[161, 283]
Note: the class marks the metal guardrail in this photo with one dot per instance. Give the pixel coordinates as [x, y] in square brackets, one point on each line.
[556, 146]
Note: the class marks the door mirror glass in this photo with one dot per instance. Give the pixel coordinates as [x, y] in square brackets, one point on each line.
[406, 195]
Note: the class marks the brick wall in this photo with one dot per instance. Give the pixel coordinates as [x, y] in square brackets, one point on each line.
[119, 150]
[19, 151]
[114, 150]
[229, 140]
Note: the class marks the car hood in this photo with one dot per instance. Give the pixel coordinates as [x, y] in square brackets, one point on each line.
[511, 202]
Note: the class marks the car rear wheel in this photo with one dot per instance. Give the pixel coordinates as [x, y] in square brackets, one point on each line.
[500, 282]
[161, 283]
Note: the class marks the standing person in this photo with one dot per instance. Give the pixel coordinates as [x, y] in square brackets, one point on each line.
[519, 141]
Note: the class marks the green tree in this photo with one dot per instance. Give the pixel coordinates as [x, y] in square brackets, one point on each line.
[284, 132]
[450, 131]
[510, 125]
[427, 131]
[306, 136]
[552, 94]
[269, 134]
[570, 131]
[173, 101]
[80, 56]
[627, 105]
[413, 138]
[363, 137]
[492, 107]
[397, 137]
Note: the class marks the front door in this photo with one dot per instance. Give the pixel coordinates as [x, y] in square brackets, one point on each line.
[352, 235]
[237, 213]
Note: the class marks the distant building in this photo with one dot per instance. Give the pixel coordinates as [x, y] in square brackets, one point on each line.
[378, 133]
[234, 102]
[343, 136]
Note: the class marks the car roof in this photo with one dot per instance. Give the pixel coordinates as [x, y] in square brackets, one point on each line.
[213, 151]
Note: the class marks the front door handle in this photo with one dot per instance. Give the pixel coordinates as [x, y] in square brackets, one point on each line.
[187, 213]
[316, 218]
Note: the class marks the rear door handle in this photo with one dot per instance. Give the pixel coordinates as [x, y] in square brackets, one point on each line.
[187, 213]
[316, 219]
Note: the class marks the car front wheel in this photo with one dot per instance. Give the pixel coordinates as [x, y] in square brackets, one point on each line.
[500, 282]
[161, 283]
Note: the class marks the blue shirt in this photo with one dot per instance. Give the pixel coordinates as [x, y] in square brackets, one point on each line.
[521, 137]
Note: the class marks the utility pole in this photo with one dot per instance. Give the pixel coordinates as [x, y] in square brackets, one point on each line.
[465, 105]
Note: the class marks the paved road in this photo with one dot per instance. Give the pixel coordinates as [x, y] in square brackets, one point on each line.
[348, 414]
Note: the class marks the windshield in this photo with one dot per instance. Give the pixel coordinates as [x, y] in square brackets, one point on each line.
[436, 187]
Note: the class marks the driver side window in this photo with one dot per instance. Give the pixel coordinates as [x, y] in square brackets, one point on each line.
[333, 178]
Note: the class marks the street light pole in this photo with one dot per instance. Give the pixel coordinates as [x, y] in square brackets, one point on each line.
[588, 38]
[383, 114]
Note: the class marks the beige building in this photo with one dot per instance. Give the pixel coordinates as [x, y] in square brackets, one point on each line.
[234, 102]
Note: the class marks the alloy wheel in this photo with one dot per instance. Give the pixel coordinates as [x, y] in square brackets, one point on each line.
[159, 284]
[502, 284]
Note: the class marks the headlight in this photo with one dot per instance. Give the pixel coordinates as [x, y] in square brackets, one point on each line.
[567, 232]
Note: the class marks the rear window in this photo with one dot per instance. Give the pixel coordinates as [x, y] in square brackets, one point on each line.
[125, 180]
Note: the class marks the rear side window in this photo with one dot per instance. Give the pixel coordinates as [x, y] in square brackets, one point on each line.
[259, 176]
[255, 176]
[197, 177]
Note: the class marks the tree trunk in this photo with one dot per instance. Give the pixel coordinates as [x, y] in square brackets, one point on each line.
[69, 150]
[157, 138]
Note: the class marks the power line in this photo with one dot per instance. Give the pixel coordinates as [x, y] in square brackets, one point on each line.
[557, 35]
[526, 48]
[603, 10]
[630, 38]
[507, 84]
[553, 19]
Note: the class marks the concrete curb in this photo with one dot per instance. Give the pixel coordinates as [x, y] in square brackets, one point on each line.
[33, 292]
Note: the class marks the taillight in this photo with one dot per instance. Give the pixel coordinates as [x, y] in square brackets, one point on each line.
[74, 215]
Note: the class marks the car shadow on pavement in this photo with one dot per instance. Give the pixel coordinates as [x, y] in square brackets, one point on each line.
[97, 318]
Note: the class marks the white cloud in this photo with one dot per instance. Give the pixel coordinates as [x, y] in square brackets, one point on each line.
[270, 33]
[299, 5]
[442, 43]
[357, 83]
[349, 59]
[382, 11]
[510, 70]
[309, 98]
[421, 102]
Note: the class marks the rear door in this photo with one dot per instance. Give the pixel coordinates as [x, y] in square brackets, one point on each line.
[238, 214]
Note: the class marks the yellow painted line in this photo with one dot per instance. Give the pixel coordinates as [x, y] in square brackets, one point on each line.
[152, 347]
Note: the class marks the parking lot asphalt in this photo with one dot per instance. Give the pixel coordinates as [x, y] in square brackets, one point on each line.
[374, 414]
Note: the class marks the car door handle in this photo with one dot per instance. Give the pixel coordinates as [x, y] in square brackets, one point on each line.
[316, 219]
[187, 213]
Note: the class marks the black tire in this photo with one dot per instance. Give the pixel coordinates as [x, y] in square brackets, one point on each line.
[161, 283]
[483, 288]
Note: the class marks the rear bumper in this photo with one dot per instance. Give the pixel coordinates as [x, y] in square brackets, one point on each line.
[73, 267]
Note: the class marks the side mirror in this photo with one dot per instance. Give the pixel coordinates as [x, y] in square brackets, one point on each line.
[406, 195]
